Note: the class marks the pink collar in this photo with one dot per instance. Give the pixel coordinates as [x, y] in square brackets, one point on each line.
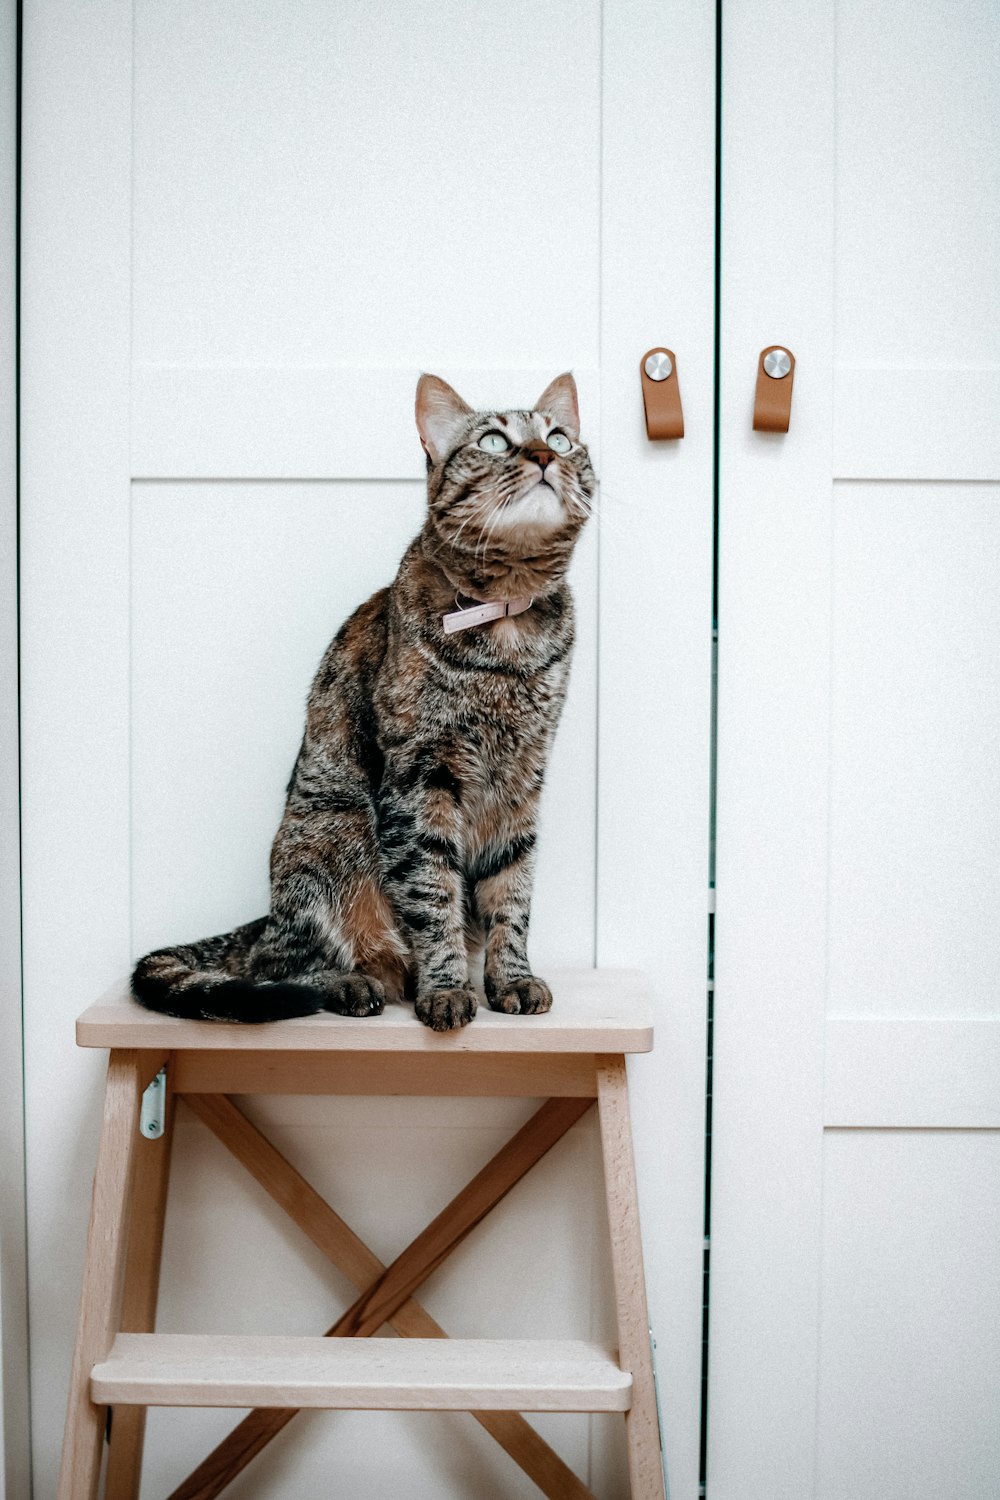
[481, 613]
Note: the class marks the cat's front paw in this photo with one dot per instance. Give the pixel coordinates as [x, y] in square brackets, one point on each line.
[446, 1010]
[354, 995]
[524, 997]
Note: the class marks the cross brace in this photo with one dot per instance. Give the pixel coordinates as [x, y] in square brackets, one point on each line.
[387, 1292]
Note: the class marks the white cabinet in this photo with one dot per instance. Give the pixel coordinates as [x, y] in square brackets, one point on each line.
[244, 231]
[855, 1286]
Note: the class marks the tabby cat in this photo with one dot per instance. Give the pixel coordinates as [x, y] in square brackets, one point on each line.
[409, 828]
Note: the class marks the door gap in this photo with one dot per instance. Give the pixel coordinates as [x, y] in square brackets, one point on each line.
[713, 765]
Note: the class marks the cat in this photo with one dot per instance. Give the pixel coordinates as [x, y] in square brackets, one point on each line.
[409, 827]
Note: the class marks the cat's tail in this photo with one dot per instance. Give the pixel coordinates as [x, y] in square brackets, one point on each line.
[206, 981]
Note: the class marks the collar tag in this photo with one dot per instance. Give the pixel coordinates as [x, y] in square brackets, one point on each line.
[482, 614]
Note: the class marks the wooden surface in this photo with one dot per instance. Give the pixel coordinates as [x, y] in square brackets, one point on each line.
[390, 1374]
[595, 1010]
[642, 1428]
[84, 1433]
[509, 1075]
[330, 1234]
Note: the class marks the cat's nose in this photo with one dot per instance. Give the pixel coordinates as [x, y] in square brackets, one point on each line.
[540, 453]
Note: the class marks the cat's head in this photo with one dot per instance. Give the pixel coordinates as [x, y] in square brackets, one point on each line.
[504, 488]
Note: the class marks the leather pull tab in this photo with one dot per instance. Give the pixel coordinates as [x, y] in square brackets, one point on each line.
[772, 405]
[661, 394]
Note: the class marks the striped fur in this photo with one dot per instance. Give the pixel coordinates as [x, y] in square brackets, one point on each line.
[409, 827]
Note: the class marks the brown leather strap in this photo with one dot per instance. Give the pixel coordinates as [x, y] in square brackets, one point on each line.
[662, 399]
[773, 401]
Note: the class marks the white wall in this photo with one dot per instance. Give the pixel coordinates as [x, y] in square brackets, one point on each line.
[13, 1317]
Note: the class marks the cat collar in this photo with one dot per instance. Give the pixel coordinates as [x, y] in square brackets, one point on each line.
[481, 613]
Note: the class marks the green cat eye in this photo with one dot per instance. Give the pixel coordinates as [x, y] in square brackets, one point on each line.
[559, 442]
[493, 442]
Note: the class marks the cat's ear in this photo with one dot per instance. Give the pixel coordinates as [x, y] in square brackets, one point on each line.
[558, 400]
[441, 414]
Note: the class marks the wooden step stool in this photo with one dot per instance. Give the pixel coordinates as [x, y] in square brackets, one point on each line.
[570, 1057]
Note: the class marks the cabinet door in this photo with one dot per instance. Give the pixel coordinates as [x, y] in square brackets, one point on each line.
[245, 230]
[855, 1275]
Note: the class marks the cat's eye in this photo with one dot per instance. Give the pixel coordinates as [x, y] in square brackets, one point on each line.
[559, 442]
[493, 442]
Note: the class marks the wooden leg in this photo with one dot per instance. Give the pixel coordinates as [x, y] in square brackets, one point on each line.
[642, 1431]
[390, 1291]
[85, 1422]
[147, 1210]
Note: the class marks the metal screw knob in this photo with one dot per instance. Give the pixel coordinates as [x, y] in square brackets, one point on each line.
[659, 366]
[777, 364]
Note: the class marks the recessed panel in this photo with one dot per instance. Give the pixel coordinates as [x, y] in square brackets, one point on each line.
[915, 763]
[918, 182]
[323, 182]
[237, 590]
[910, 1316]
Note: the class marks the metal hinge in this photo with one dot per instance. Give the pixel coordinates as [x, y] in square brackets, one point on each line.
[152, 1115]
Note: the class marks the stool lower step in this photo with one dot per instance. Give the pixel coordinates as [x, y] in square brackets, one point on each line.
[164, 1369]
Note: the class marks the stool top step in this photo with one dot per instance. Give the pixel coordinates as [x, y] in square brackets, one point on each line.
[594, 1010]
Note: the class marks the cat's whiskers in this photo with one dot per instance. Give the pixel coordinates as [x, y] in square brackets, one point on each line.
[505, 496]
[606, 521]
[487, 531]
[505, 491]
[472, 516]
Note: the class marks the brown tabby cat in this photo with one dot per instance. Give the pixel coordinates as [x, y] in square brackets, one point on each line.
[410, 819]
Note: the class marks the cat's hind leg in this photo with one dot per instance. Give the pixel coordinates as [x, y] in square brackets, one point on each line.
[344, 994]
[331, 925]
[337, 940]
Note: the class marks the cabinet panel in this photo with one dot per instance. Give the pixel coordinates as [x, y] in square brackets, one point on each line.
[236, 592]
[915, 777]
[316, 182]
[917, 183]
[909, 1355]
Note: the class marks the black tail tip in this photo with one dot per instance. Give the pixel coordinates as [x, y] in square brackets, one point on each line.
[235, 1000]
